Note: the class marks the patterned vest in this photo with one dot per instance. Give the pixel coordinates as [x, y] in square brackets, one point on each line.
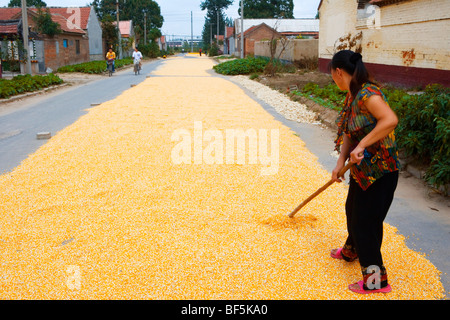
[356, 123]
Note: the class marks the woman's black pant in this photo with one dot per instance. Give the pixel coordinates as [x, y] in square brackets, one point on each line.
[366, 211]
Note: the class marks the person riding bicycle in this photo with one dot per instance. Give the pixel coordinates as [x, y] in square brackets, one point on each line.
[137, 56]
[111, 56]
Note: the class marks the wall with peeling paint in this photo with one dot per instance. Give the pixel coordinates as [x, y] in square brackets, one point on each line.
[408, 34]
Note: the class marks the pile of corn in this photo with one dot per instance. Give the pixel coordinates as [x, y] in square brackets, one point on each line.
[101, 212]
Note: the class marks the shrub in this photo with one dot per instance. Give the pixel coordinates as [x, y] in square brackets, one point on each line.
[26, 83]
[213, 50]
[241, 66]
[329, 96]
[150, 50]
[93, 67]
[424, 129]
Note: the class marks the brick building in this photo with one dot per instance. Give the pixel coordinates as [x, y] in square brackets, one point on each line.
[254, 34]
[404, 42]
[73, 45]
[264, 29]
[86, 18]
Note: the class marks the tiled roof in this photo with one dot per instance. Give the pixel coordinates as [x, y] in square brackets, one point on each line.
[9, 27]
[253, 28]
[9, 13]
[282, 25]
[125, 27]
[59, 15]
[67, 12]
[65, 25]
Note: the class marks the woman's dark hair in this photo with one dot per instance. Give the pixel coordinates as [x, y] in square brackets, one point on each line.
[352, 63]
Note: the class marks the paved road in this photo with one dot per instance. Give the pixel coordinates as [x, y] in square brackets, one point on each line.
[54, 112]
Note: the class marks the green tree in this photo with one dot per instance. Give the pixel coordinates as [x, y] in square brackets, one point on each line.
[109, 32]
[30, 3]
[133, 10]
[45, 24]
[266, 9]
[213, 8]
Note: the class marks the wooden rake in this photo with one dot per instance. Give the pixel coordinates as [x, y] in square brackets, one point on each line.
[320, 190]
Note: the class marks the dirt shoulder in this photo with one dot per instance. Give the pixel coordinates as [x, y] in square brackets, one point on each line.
[283, 83]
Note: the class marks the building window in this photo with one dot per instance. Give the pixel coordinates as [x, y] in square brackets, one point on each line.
[65, 43]
[77, 46]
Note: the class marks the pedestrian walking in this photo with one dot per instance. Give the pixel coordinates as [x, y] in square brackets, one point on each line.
[365, 137]
[200, 51]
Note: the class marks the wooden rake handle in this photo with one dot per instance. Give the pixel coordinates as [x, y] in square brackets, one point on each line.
[315, 194]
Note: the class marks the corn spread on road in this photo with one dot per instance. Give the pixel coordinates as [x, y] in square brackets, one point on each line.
[101, 211]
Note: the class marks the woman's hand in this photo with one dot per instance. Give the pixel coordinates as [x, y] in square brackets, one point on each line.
[357, 154]
[335, 173]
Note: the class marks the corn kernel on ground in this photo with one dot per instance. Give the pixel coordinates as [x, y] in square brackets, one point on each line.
[101, 212]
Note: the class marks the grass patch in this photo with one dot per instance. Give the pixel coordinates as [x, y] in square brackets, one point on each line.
[26, 83]
[94, 67]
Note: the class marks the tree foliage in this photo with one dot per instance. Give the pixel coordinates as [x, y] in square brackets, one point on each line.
[133, 10]
[266, 9]
[30, 3]
[109, 32]
[213, 9]
[45, 24]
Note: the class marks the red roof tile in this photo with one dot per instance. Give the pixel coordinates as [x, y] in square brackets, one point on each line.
[66, 26]
[59, 15]
[68, 12]
[5, 29]
[9, 13]
[125, 27]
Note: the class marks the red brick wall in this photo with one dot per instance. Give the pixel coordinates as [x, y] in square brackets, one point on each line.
[262, 33]
[65, 56]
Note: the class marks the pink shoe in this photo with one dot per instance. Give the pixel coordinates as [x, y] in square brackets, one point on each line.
[337, 254]
[360, 288]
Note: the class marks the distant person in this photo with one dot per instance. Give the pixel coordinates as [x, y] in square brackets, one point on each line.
[111, 55]
[137, 56]
[200, 51]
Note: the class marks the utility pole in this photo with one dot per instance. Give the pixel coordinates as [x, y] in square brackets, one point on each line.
[119, 36]
[26, 45]
[218, 28]
[192, 33]
[145, 27]
[242, 29]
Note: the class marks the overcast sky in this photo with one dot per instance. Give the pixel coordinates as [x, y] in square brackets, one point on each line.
[177, 13]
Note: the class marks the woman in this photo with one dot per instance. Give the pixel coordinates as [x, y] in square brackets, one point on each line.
[365, 137]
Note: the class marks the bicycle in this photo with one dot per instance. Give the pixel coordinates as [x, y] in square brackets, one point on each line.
[110, 67]
[137, 68]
